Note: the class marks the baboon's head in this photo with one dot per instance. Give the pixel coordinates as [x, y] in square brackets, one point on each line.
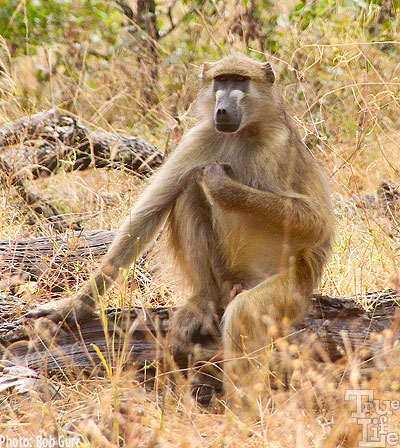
[233, 88]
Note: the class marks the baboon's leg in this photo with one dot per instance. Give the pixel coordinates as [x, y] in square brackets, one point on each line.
[251, 321]
[196, 250]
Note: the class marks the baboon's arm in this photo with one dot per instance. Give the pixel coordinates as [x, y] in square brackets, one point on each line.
[139, 229]
[296, 211]
[134, 237]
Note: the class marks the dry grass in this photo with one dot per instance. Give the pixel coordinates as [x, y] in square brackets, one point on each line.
[343, 89]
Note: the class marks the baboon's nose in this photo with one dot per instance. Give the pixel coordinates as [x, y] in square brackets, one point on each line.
[227, 116]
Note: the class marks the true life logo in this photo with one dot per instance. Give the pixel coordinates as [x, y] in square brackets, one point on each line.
[373, 416]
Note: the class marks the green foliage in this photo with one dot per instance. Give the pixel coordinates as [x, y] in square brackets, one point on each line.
[375, 17]
[31, 23]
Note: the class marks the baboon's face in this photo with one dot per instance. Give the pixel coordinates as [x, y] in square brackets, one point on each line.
[229, 90]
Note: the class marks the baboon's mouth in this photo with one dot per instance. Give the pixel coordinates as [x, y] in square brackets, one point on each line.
[226, 126]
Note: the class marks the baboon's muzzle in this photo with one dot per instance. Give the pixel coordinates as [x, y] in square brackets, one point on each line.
[227, 116]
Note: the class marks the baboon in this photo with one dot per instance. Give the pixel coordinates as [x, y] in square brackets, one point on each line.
[246, 211]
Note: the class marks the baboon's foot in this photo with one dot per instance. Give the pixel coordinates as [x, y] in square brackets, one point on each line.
[70, 311]
[197, 318]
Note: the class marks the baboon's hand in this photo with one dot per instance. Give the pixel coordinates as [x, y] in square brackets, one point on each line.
[217, 171]
[194, 175]
[70, 311]
[228, 170]
[195, 318]
[216, 176]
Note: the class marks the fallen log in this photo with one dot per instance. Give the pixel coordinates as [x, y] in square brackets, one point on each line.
[53, 139]
[54, 262]
[45, 142]
[137, 336]
[32, 257]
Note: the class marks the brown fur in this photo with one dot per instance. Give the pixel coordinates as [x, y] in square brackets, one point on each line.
[257, 234]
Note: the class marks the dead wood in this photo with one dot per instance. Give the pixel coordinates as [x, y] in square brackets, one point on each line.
[137, 336]
[59, 258]
[53, 139]
[43, 143]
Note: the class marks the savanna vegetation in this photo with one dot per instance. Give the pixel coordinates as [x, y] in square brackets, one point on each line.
[131, 67]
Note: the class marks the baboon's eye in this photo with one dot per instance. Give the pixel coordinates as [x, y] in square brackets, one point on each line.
[240, 78]
[221, 78]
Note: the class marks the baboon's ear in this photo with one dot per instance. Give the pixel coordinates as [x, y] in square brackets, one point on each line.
[205, 67]
[269, 72]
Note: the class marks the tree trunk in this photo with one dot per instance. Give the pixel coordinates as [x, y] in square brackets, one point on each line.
[148, 54]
